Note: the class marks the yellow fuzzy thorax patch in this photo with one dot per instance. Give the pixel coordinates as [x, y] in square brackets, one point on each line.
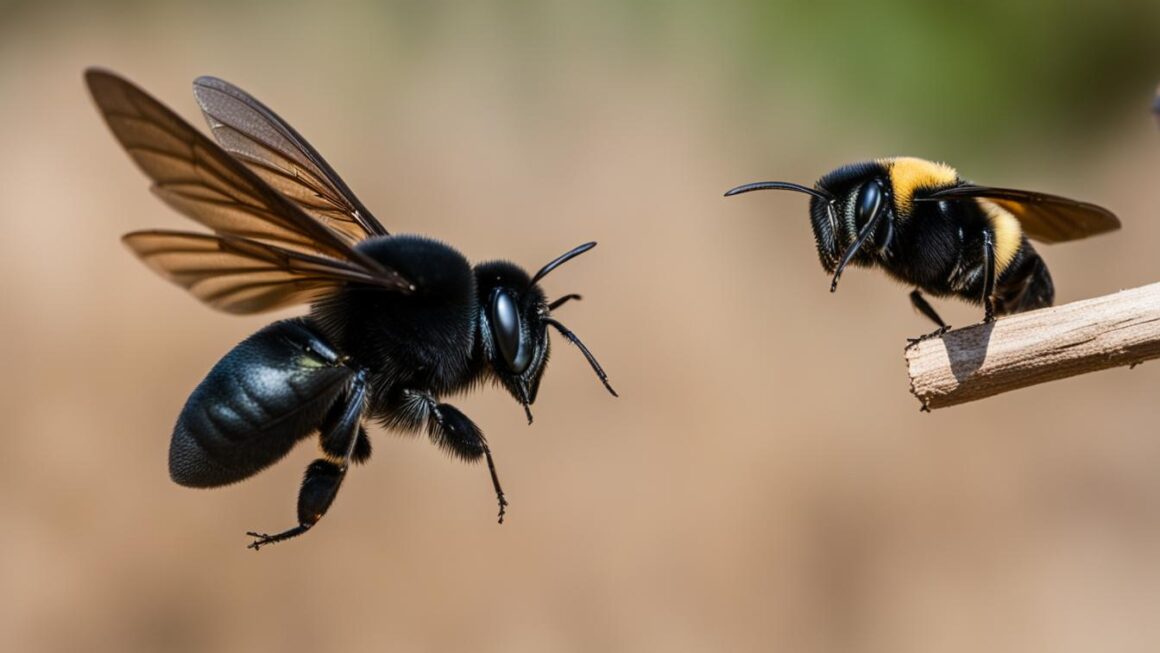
[1008, 234]
[907, 174]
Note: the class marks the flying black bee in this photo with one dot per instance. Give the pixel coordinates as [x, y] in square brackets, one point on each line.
[927, 227]
[396, 323]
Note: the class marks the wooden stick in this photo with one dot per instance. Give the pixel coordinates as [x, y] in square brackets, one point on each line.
[1030, 348]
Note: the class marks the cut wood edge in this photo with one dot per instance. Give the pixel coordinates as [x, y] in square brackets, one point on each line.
[1026, 349]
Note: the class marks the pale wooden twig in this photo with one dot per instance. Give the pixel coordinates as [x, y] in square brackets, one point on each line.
[1030, 348]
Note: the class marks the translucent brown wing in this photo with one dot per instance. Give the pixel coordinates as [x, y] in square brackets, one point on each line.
[238, 275]
[257, 136]
[199, 179]
[1046, 218]
[266, 252]
[1156, 106]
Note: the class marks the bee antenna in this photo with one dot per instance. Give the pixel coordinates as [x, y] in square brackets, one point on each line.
[584, 350]
[560, 260]
[819, 193]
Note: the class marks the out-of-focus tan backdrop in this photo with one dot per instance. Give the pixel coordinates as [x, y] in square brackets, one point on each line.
[766, 482]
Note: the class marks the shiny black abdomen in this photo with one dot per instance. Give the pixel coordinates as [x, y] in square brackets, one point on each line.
[424, 340]
[261, 398]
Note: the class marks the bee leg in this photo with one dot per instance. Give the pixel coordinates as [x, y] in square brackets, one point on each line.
[334, 441]
[333, 437]
[924, 307]
[563, 300]
[456, 434]
[325, 475]
[988, 276]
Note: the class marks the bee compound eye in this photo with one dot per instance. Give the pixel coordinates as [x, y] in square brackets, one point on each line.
[509, 336]
[869, 201]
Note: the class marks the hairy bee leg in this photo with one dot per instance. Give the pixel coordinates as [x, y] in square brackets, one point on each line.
[988, 276]
[924, 307]
[560, 301]
[499, 495]
[334, 441]
[455, 433]
[325, 475]
[927, 336]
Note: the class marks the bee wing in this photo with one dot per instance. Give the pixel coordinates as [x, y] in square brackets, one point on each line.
[270, 147]
[1046, 218]
[1156, 106]
[238, 275]
[199, 179]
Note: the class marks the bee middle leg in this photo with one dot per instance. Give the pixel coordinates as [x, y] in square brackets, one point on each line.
[455, 433]
[988, 277]
[924, 307]
[325, 475]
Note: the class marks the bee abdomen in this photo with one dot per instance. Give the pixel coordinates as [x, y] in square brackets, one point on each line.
[254, 405]
[1026, 285]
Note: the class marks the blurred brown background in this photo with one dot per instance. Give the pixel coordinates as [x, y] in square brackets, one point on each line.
[765, 482]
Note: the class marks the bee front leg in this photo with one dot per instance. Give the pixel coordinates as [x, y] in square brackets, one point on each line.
[455, 433]
[924, 307]
[325, 475]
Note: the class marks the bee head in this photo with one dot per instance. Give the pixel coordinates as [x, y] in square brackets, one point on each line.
[514, 316]
[857, 194]
[852, 212]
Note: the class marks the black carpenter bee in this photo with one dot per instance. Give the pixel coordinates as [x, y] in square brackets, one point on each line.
[396, 322]
[927, 227]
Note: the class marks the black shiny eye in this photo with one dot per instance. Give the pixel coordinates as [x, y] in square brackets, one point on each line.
[509, 337]
[869, 200]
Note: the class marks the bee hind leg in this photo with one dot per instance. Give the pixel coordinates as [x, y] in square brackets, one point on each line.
[325, 475]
